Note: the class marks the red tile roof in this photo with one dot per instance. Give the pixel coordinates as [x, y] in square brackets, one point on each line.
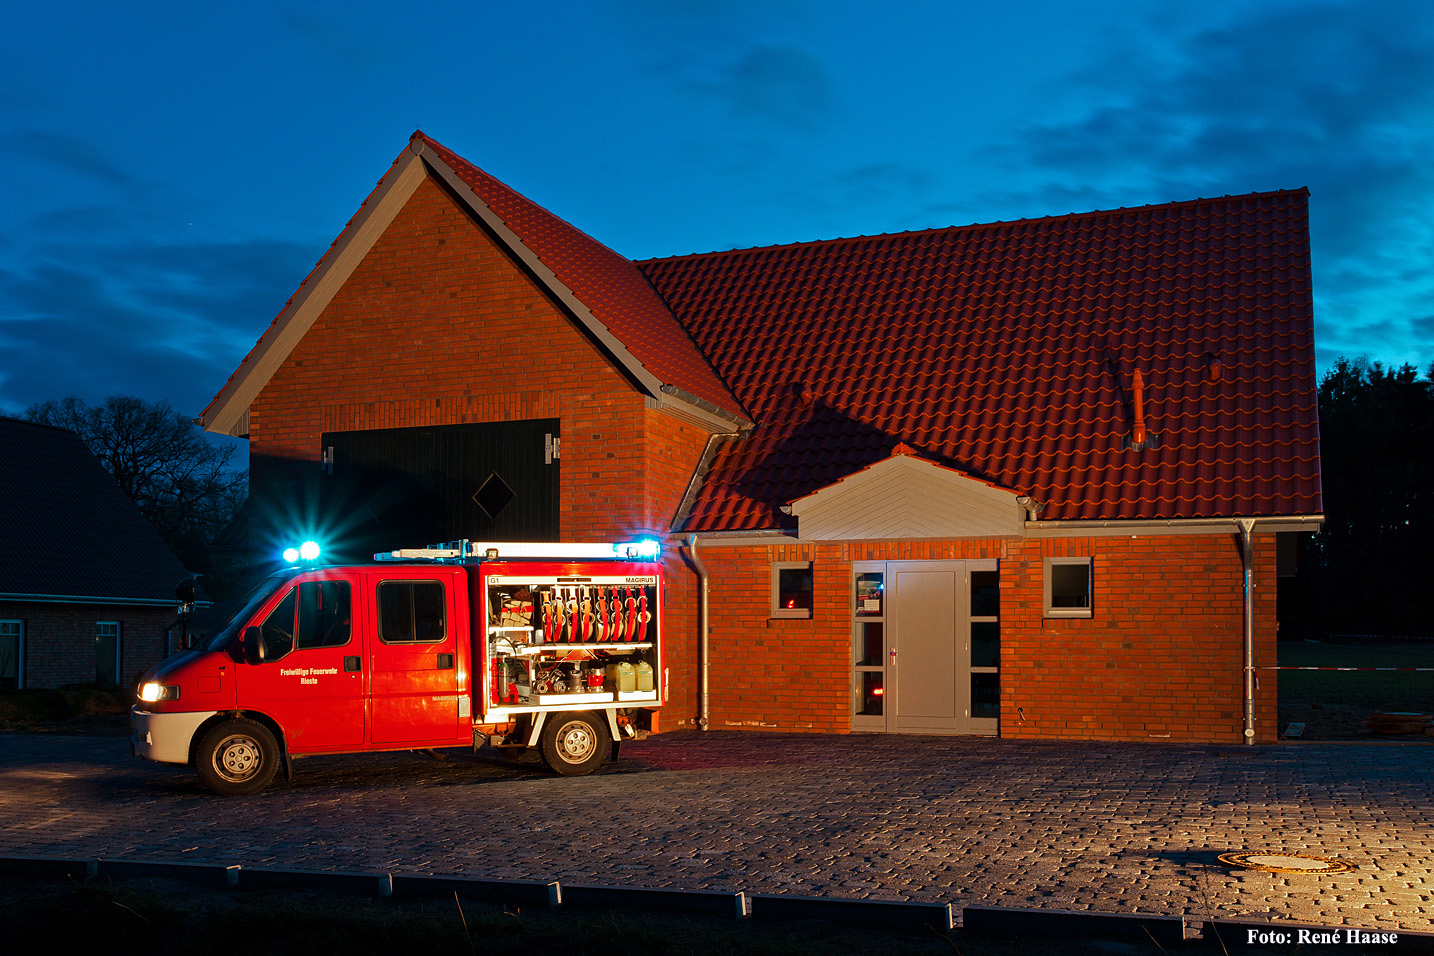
[1007, 351]
[611, 286]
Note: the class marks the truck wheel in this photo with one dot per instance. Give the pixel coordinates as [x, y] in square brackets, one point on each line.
[237, 757]
[574, 744]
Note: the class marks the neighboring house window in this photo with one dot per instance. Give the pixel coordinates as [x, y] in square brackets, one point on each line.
[1068, 587]
[792, 589]
[411, 612]
[12, 655]
[108, 651]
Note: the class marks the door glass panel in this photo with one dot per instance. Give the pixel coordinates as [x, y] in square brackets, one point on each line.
[985, 594]
[986, 644]
[870, 693]
[324, 615]
[279, 628]
[872, 643]
[985, 695]
[869, 594]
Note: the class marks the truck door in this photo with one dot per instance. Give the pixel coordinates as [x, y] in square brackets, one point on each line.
[311, 681]
[414, 655]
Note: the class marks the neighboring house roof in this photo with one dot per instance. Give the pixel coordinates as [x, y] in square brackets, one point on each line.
[69, 532]
[603, 291]
[1009, 350]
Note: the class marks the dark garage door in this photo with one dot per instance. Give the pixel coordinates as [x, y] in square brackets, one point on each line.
[408, 487]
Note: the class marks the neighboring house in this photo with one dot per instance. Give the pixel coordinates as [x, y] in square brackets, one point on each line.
[86, 583]
[998, 479]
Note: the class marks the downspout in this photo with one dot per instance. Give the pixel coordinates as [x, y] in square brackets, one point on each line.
[701, 625]
[1247, 529]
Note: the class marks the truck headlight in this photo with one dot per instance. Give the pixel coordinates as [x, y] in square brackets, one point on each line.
[151, 692]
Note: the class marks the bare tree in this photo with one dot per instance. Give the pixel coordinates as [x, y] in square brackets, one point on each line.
[182, 483]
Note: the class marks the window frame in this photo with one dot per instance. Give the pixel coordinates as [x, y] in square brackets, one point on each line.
[774, 603]
[19, 624]
[1088, 562]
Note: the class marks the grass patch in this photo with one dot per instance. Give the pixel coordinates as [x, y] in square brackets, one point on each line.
[1370, 690]
[33, 709]
[1337, 704]
[168, 918]
[171, 918]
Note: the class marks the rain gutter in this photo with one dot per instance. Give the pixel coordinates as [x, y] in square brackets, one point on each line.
[1247, 540]
[701, 625]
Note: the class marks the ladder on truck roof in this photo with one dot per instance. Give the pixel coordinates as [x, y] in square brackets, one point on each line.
[643, 550]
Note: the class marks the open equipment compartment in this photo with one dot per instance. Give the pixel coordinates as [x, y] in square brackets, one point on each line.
[581, 640]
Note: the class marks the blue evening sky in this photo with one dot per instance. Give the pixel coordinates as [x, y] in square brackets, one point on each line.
[172, 170]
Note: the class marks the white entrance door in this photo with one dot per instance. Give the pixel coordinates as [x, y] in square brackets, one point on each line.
[926, 647]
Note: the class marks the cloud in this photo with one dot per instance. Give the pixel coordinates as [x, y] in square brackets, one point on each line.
[1338, 97]
[68, 153]
[337, 45]
[159, 320]
[780, 83]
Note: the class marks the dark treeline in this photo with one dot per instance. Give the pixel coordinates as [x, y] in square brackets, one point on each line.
[1368, 570]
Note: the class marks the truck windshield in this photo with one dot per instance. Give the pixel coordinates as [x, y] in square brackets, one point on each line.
[256, 597]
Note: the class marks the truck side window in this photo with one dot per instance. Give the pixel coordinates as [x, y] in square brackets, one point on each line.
[278, 627]
[411, 612]
[324, 616]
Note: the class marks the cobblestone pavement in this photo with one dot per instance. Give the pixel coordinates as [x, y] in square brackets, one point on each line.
[1105, 827]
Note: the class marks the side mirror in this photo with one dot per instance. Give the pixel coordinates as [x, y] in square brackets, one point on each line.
[254, 645]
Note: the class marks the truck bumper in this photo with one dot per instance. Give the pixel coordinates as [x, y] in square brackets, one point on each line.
[164, 738]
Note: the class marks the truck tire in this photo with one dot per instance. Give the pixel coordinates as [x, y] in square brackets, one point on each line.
[574, 744]
[237, 757]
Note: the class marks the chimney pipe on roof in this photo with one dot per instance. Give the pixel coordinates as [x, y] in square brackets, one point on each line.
[1137, 387]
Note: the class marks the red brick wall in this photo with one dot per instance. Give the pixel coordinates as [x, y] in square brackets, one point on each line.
[1160, 658]
[60, 640]
[1162, 655]
[437, 326]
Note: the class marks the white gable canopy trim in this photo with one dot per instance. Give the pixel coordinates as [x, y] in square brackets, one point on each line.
[907, 497]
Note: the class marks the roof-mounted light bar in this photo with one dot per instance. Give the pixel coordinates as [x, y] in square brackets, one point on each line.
[645, 549]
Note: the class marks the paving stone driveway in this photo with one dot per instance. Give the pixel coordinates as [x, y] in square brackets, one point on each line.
[1106, 827]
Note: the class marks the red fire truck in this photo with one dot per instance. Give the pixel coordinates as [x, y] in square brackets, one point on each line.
[553, 646]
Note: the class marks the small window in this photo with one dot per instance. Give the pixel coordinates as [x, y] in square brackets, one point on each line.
[1068, 587]
[411, 612]
[12, 655]
[792, 589]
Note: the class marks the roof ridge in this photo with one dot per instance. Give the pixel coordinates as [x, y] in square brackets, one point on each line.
[975, 226]
[607, 285]
[450, 154]
[27, 421]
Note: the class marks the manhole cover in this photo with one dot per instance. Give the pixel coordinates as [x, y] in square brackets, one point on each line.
[1285, 862]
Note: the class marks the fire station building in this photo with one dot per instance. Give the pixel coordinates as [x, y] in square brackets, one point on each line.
[1028, 479]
